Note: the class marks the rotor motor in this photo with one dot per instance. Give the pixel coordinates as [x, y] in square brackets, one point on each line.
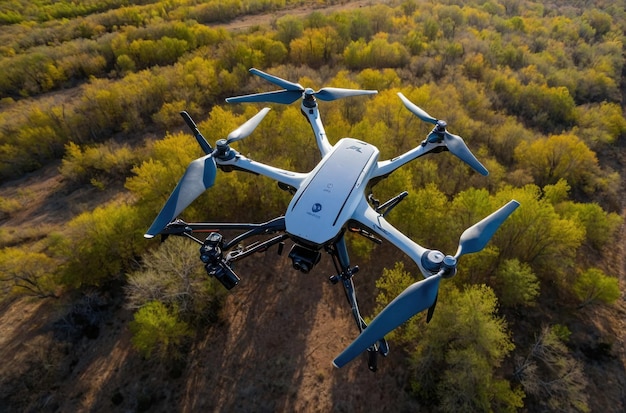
[434, 261]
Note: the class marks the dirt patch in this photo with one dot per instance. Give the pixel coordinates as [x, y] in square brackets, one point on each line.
[250, 21]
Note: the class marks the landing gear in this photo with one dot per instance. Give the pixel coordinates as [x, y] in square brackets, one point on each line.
[344, 274]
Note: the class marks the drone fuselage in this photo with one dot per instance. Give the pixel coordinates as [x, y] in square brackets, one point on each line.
[326, 200]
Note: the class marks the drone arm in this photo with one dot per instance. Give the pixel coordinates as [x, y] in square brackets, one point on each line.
[386, 167]
[310, 110]
[366, 216]
[293, 179]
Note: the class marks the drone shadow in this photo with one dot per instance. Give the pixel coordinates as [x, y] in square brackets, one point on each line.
[274, 353]
[256, 360]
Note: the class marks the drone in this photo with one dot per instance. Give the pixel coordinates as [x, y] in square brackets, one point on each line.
[334, 198]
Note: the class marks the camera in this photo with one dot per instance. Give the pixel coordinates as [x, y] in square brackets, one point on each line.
[223, 273]
[214, 263]
[304, 259]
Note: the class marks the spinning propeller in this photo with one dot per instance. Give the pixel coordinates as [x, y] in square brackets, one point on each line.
[422, 295]
[293, 91]
[200, 174]
[454, 143]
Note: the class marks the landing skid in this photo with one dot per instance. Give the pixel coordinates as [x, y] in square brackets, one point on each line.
[344, 274]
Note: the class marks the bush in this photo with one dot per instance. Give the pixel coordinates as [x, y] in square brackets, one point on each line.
[98, 246]
[108, 161]
[594, 286]
[26, 273]
[516, 284]
[156, 328]
[173, 275]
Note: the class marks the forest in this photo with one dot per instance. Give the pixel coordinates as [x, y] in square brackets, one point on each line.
[90, 95]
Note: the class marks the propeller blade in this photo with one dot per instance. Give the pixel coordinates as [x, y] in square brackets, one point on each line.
[431, 310]
[416, 110]
[206, 147]
[199, 176]
[278, 96]
[457, 146]
[248, 127]
[476, 237]
[285, 84]
[416, 298]
[332, 93]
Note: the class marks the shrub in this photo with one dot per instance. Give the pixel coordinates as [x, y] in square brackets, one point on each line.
[156, 328]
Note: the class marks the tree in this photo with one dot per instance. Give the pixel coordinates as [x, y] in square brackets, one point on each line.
[378, 53]
[378, 79]
[172, 274]
[27, 272]
[516, 284]
[600, 226]
[97, 163]
[98, 245]
[551, 375]
[157, 177]
[390, 284]
[289, 28]
[600, 125]
[156, 328]
[559, 156]
[315, 48]
[536, 234]
[594, 286]
[455, 359]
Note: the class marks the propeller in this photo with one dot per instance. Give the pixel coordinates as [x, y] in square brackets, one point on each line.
[294, 91]
[422, 295]
[454, 143]
[200, 174]
[247, 128]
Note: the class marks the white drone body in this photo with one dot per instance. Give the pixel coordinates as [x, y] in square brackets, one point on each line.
[329, 196]
[327, 201]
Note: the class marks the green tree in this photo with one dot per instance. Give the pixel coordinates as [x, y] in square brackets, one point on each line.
[378, 53]
[516, 284]
[601, 227]
[378, 79]
[600, 125]
[288, 28]
[27, 273]
[536, 234]
[454, 361]
[96, 163]
[315, 48]
[559, 156]
[594, 286]
[156, 178]
[156, 328]
[97, 246]
[390, 284]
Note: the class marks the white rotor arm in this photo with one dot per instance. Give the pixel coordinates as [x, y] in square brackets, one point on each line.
[365, 215]
[313, 116]
[293, 179]
[388, 166]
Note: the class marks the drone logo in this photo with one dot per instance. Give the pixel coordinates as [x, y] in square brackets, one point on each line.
[317, 207]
